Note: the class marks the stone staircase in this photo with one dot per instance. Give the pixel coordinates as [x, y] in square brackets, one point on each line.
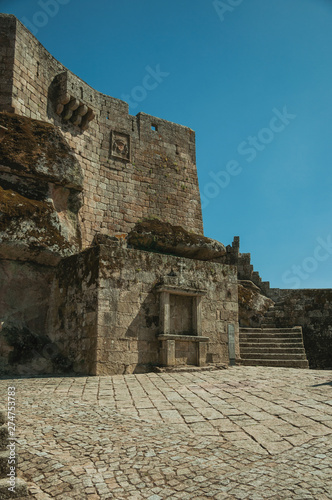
[270, 346]
[271, 316]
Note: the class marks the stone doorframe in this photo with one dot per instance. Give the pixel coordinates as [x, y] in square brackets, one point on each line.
[168, 339]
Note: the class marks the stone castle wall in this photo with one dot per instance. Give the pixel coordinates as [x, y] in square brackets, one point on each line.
[134, 166]
[311, 309]
[74, 164]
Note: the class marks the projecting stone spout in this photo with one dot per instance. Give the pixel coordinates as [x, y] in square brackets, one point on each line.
[162, 237]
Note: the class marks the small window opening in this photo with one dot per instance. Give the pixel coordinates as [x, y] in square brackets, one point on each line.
[154, 128]
[81, 89]
[37, 68]
[107, 115]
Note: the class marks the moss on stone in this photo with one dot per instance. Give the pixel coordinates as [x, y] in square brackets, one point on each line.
[155, 235]
[37, 149]
[13, 204]
[40, 231]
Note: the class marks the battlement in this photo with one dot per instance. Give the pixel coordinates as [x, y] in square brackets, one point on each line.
[133, 166]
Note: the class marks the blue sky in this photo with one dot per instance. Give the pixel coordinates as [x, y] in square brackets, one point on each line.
[253, 79]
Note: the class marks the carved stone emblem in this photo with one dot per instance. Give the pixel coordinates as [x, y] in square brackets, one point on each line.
[120, 145]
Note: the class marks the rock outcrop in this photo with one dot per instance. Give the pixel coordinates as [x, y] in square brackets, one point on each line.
[252, 304]
[162, 237]
[40, 195]
[40, 190]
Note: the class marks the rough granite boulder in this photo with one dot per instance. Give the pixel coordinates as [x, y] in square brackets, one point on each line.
[252, 304]
[32, 148]
[31, 230]
[40, 192]
[162, 237]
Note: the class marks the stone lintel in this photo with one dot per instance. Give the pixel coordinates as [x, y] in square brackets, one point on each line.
[178, 290]
[184, 338]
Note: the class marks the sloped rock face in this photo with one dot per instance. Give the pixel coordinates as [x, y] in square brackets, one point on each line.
[37, 149]
[40, 190]
[162, 237]
[252, 304]
[40, 196]
[30, 230]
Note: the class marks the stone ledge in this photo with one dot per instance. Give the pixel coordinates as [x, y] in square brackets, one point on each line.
[162, 237]
[184, 338]
[179, 290]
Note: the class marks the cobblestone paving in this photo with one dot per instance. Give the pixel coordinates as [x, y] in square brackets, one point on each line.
[245, 432]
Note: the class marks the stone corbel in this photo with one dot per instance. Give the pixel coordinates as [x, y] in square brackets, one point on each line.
[69, 107]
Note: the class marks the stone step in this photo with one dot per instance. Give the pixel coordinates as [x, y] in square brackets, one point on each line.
[271, 332]
[21, 489]
[4, 467]
[277, 343]
[296, 329]
[278, 339]
[271, 356]
[273, 349]
[276, 362]
[189, 368]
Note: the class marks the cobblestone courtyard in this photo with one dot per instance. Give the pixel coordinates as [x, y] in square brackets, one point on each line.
[245, 432]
